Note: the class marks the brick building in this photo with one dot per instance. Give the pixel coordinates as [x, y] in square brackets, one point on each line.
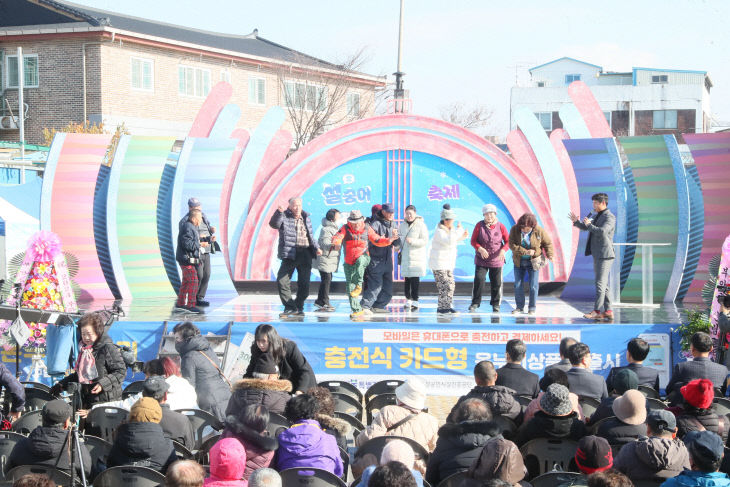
[644, 101]
[88, 64]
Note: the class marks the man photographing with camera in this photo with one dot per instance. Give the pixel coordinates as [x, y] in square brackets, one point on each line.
[187, 255]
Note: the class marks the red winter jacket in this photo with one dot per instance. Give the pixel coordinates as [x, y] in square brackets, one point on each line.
[356, 243]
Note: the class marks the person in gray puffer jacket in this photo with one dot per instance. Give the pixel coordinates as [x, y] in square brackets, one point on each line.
[200, 366]
[501, 400]
[328, 262]
[659, 456]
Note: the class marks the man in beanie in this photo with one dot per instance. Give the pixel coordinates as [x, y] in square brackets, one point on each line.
[48, 444]
[140, 441]
[706, 450]
[696, 411]
[207, 239]
[659, 455]
[624, 380]
[593, 455]
[490, 240]
[379, 272]
[700, 367]
[264, 388]
[555, 419]
[175, 426]
[357, 235]
[629, 421]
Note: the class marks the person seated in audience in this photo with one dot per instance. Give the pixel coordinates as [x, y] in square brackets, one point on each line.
[700, 367]
[514, 375]
[500, 399]
[499, 459]
[13, 390]
[392, 474]
[405, 418]
[264, 387]
[636, 352]
[140, 441]
[624, 380]
[249, 427]
[659, 455]
[394, 451]
[264, 477]
[305, 444]
[593, 455]
[705, 456]
[48, 444]
[181, 394]
[629, 422]
[175, 426]
[609, 478]
[723, 326]
[339, 428]
[185, 473]
[151, 367]
[201, 367]
[291, 363]
[696, 411]
[34, 480]
[555, 419]
[564, 363]
[461, 439]
[227, 463]
[583, 382]
[552, 376]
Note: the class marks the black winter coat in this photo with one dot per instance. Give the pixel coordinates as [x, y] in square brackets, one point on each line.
[213, 392]
[292, 367]
[177, 427]
[111, 371]
[619, 433]
[457, 447]
[274, 394]
[543, 426]
[188, 243]
[690, 419]
[501, 401]
[48, 446]
[141, 444]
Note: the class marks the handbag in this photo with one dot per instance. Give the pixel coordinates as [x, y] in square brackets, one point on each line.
[538, 262]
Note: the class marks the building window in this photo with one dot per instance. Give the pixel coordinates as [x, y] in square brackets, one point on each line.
[30, 65]
[353, 104]
[546, 120]
[142, 74]
[608, 117]
[662, 78]
[569, 78]
[257, 91]
[541, 84]
[665, 119]
[193, 81]
[226, 76]
[302, 95]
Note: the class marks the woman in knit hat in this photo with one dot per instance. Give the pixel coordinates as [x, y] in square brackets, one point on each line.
[696, 413]
[141, 441]
[629, 422]
[443, 258]
[555, 419]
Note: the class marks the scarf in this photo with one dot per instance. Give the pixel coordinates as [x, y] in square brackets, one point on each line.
[86, 365]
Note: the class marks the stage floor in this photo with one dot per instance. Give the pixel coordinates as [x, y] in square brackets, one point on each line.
[265, 308]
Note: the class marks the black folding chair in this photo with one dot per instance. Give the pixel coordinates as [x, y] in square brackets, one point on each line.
[202, 456]
[277, 423]
[347, 404]
[588, 405]
[181, 452]
[28, 422]
[57, 476]
[98, 449]
[453, 480]
[36, 398]
[8, 440]
[375, 446]
[506, 426]
[341, 387]
[652, 403]
[203, 423]
[382, 387]
[557, 479]
[129, 475]
[311, 477]
[103, 422]
[133, 388]
[649, 392]
[37, 385]
[541, 455]
[377, 403]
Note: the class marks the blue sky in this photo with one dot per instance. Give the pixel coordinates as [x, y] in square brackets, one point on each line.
[472, 51]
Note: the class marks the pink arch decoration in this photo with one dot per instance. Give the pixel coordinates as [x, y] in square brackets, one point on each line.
[391, 132]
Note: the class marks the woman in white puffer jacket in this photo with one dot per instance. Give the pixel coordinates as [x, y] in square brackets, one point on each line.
[443, 258]
[413, 241]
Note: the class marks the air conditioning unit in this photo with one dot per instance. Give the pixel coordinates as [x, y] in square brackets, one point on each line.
[8, 123]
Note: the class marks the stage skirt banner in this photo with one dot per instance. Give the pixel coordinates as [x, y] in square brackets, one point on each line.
[443, 355]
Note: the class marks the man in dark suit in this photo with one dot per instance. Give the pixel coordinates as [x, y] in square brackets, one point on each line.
[636, 352]
[700, 367]
[582, 382]
[514, 375]
[600, 227]
[564, 363]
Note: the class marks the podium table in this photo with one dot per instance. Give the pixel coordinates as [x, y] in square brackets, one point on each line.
[647, 274]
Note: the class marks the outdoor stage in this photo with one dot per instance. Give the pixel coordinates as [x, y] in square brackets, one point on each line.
[442, 350]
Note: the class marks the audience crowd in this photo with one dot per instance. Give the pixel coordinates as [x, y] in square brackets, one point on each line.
[617, 431]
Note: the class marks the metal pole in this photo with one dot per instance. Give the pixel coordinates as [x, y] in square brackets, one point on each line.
[399, 93]
[21, 112]
[400, 39]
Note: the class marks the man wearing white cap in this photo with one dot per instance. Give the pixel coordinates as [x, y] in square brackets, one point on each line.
[490, 239]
